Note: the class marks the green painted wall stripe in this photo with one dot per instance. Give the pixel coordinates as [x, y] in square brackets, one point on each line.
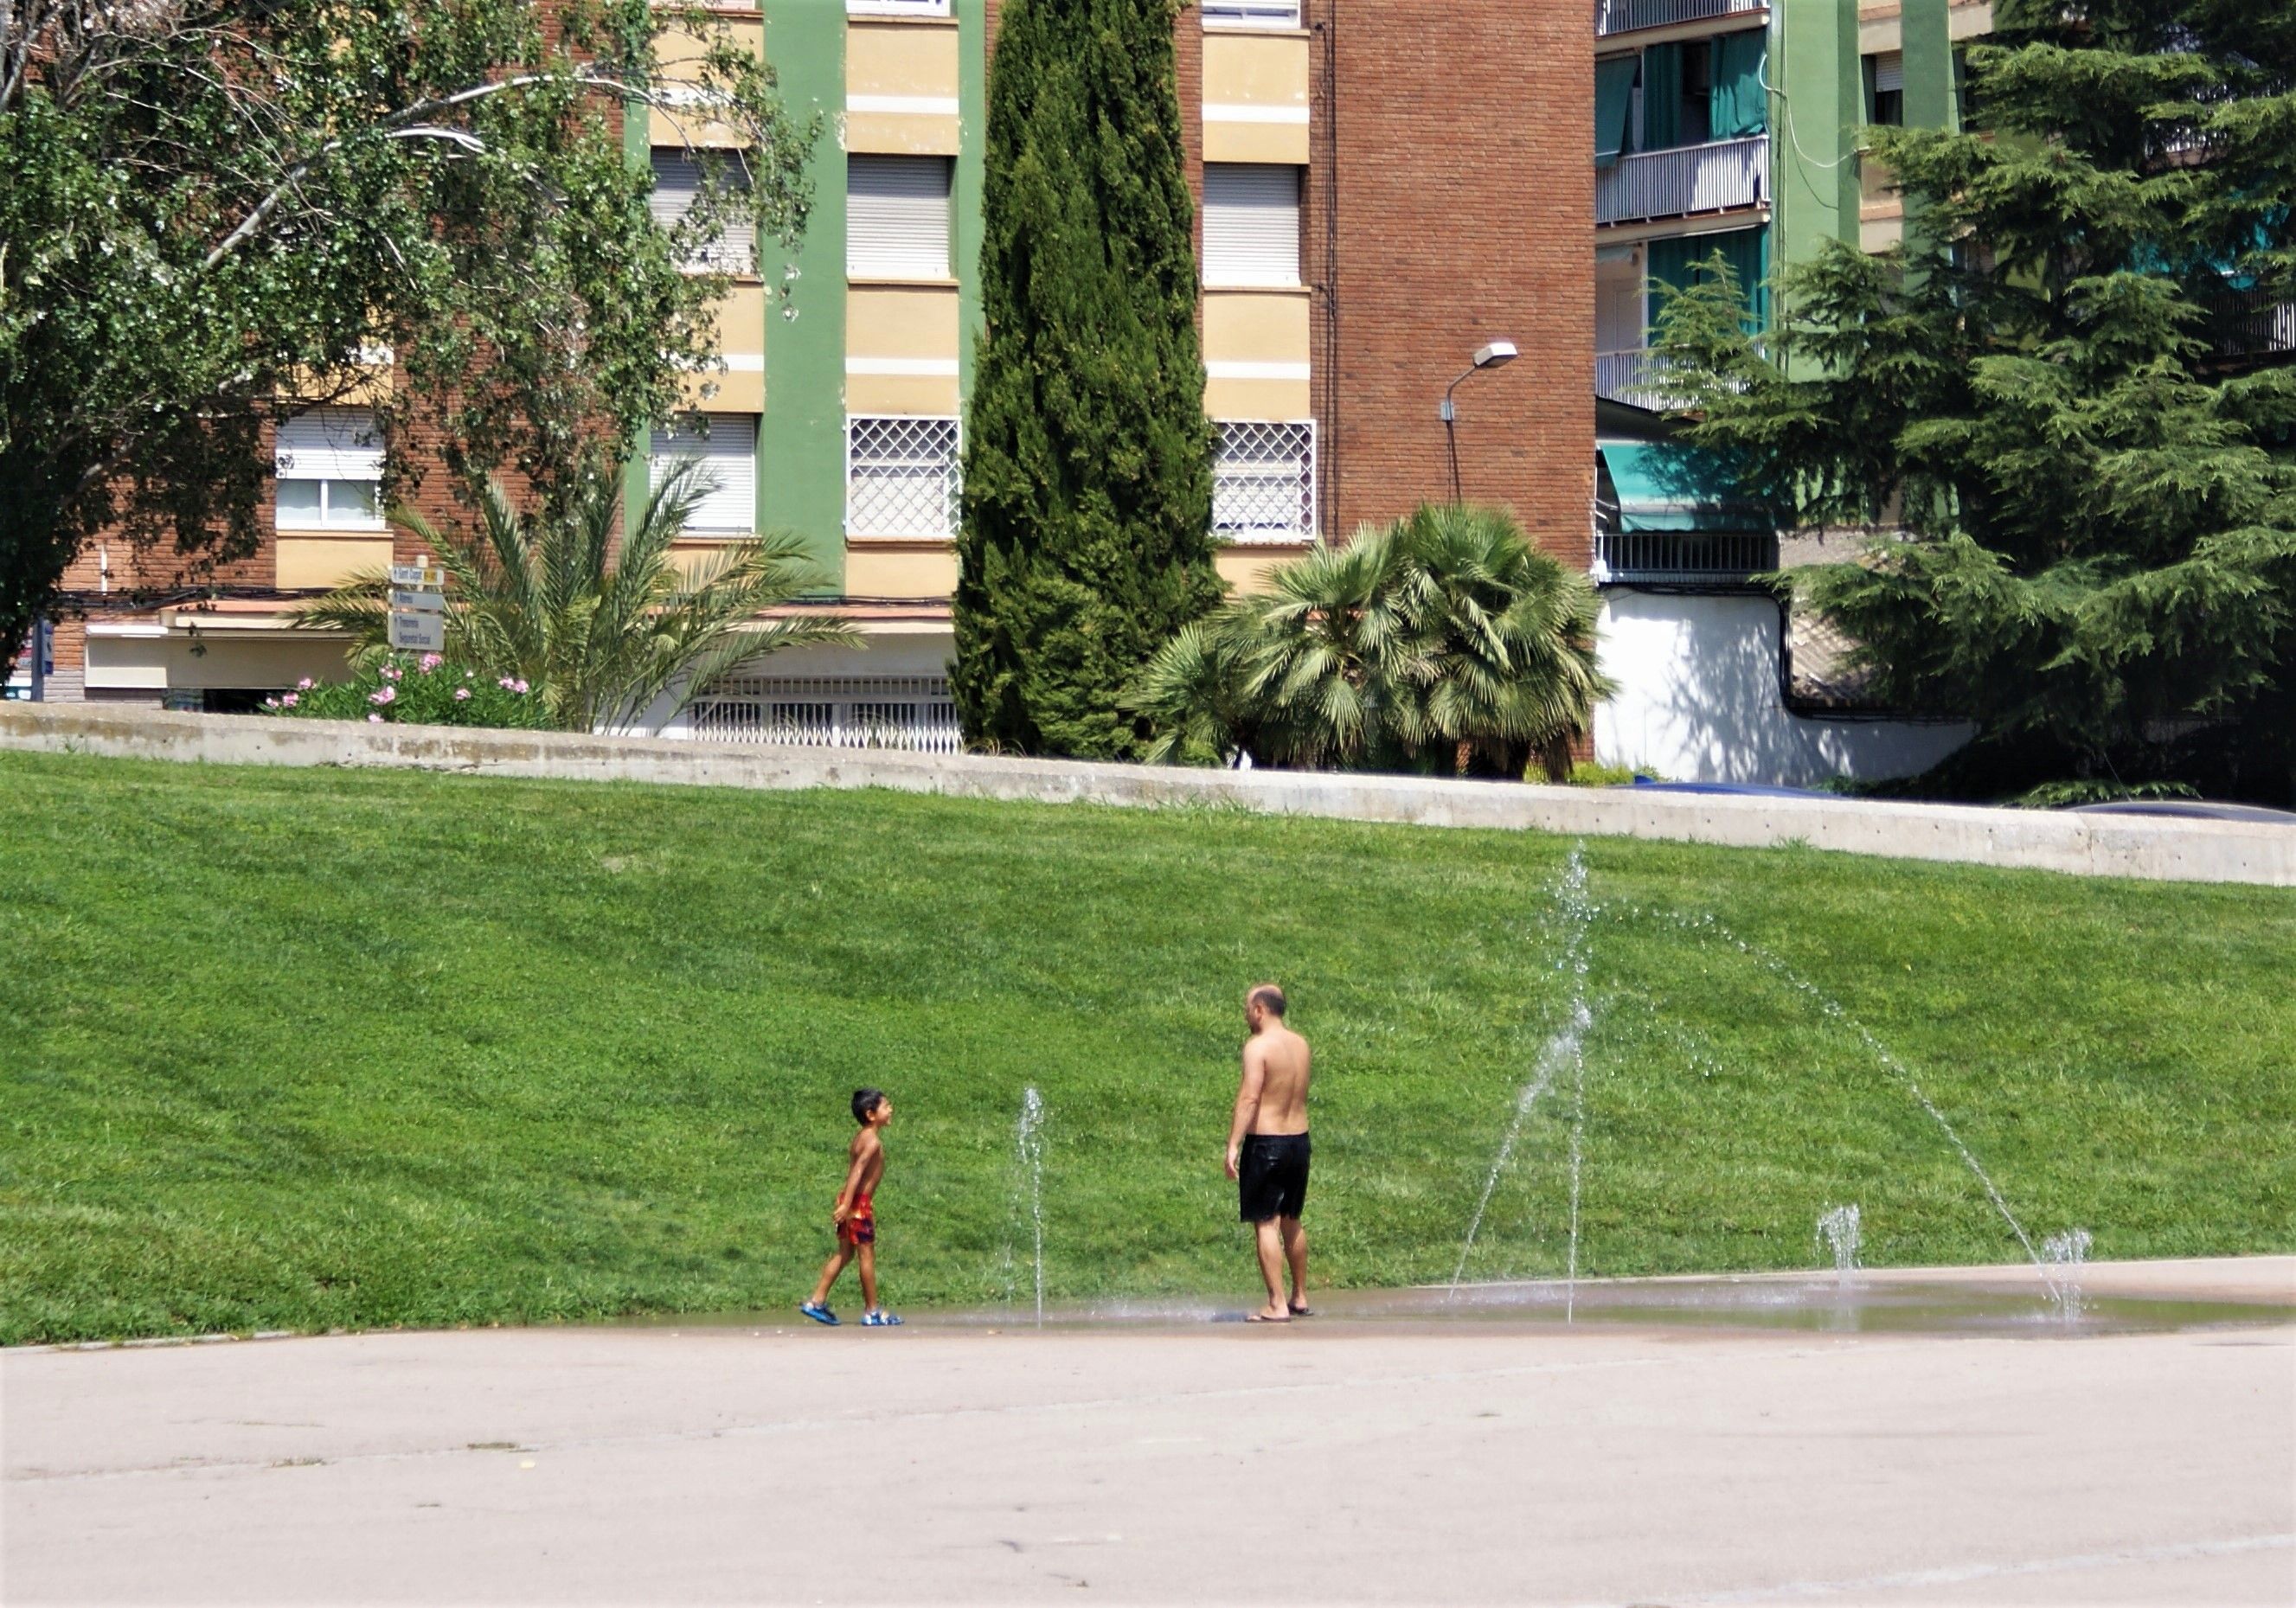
[801, 441]
[972, 173]
[635, 486]
[1814, 62]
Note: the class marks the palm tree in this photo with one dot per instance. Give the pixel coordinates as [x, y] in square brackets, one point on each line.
[1442, 639]
[601, 634]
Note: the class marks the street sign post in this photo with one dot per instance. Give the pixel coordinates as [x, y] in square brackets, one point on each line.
[418, 608]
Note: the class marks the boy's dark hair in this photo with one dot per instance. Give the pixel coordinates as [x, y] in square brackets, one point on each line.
[865, 1101]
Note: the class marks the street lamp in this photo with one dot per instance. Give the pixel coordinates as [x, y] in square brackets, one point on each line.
[1493, 354]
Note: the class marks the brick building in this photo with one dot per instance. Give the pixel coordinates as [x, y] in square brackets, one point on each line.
[1383, 189]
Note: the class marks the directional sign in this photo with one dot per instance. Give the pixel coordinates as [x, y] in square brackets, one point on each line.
[420, 578]
[418, 633]
[408, 601]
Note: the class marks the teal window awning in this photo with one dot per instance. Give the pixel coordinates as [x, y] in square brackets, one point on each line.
[1670, 486]
[1614, 95]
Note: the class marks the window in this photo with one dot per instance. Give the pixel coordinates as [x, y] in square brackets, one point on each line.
[1251, 13]
[896, 8]
[1251, 223]
[677, 180]
[329, 466]
[897, 216]
[1264, 481]
[728, 502]
[1885, 88]
[900, 477]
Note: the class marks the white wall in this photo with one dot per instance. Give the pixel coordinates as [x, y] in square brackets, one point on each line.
[1699, 700]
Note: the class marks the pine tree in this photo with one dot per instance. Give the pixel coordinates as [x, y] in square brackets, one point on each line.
[2067, 404]
[1087, 472]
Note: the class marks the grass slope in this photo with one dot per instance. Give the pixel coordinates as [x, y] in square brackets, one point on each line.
[307, 1048]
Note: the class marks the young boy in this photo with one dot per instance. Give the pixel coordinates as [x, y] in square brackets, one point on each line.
[855, 1218]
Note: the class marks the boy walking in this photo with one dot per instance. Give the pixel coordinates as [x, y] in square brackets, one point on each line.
[855, 1218]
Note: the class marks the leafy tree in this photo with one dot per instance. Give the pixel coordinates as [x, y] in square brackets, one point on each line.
[208, 207]
[2060, 406]
[1088, 470]
[1445, 641]
[599, 627]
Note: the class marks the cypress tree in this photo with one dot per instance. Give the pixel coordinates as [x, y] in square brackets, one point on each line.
[2071, 398]
[1087, 466]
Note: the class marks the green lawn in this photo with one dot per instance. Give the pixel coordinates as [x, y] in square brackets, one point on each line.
[299, 1049]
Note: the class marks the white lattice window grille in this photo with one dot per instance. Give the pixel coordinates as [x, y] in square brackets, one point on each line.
[1264, 481]
[328, 465]
[914, 713]
[900, 477]
[1251, 13]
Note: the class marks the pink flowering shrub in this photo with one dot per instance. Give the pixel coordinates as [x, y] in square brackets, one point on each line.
[410, 690]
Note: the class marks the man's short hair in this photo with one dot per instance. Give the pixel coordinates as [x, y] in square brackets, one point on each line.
[865, 1101]
[1267, 994]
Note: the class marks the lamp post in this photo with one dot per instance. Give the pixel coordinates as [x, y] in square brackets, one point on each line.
[1492, 355]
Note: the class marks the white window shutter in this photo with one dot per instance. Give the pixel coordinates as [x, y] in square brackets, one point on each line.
[1888, 71]
[328, 444]
[1252, 223]
[676, 182]
[897, 216]
[729, 456]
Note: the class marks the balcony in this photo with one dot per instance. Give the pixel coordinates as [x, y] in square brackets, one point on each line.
[1683, 558]
[1627, 16]
[1633, 377]
[2244, 324]
[1689, 179]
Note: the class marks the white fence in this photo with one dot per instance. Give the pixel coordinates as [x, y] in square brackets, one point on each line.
[1712, 178]
[1625, 16]
[914, 714]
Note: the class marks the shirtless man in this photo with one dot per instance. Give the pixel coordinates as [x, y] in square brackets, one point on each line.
[1267, 1149]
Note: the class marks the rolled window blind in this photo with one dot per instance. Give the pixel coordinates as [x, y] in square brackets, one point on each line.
[1888, 71]
[676, 181]
[897, 216]
[1252, 223]
[729, 456]
[328, 444]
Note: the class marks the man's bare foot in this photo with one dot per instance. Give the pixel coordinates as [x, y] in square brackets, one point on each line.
[1270, 1315]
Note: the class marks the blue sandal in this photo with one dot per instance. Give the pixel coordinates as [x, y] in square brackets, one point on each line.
[818, 1313]
[877, 1317]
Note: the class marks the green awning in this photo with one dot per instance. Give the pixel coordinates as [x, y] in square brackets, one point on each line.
[1614, 93]
[1669, 486]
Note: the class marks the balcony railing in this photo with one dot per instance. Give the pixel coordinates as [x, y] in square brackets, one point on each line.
[2244, 324]
[1633, 377]
[914, 713]
[1684, 557]
[1625, 16]
[1688, 179]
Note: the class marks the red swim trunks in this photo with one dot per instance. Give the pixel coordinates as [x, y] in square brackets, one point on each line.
[860, 1224]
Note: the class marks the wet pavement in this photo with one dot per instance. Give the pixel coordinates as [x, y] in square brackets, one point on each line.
[1953, 1445]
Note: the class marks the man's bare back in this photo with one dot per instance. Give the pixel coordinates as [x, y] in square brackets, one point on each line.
[1283, 1058]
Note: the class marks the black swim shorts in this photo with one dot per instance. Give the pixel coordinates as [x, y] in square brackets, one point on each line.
[1271, 1175]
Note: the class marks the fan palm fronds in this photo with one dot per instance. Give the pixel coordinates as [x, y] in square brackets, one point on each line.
[604, 636]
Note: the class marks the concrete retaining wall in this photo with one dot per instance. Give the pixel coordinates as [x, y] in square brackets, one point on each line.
[2161, 849]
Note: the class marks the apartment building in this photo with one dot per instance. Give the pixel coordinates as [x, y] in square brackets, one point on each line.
[1733, 126]
[1383, 191]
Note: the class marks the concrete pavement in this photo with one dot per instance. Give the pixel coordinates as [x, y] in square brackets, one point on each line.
[1341, 1463]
